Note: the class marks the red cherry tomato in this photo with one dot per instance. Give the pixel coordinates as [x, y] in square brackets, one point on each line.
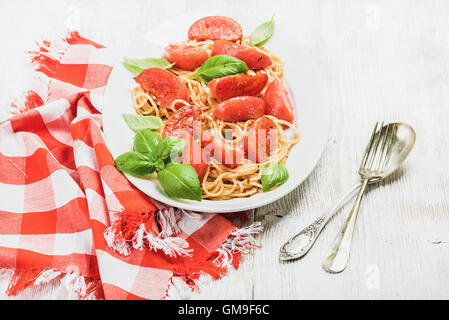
[222, 151]
[186, 57]
[251, 56]
[194, 155]
[277, 102]
[183, 123]
[163, 84]
[237, 85]
[260, 140]
[214, 28]
[240, 109]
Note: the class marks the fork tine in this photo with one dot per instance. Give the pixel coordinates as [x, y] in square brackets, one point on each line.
[368, 147]
[373, 152]
[385, 136]
[389, 149]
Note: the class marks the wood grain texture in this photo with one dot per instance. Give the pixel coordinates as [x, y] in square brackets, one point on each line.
[382, 60]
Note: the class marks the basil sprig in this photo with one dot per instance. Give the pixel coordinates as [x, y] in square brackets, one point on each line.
[219, 66]
[137, 122]
[262, 33]
[136, 66]
[273, 174]
[151, 154]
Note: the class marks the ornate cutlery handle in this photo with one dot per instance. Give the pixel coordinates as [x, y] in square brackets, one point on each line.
[338, 254]
[300, 244]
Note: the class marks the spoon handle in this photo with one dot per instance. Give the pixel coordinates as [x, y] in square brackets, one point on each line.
[338, 254]
[298, 245]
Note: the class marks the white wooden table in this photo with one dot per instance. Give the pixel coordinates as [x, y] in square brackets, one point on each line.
[386, 60]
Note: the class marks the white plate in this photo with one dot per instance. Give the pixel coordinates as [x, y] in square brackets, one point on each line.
[306, 86]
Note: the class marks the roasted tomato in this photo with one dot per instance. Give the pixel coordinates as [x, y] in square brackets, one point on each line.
[240, 109]
[277, 102]
[215, 28]
[251, 56]
[166, 86]
[222, 150]
[194, 155]
[237, 85]
[186, 57]
[183, 123]
[260, 140]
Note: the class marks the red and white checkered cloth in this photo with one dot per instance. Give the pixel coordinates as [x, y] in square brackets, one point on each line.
[67, 213]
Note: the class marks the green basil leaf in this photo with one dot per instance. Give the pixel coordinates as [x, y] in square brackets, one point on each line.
[220, 66]
[134, 163]
[159, 163]
[145, 142]
[262, 33]
[180, 181]
[169, 148]
[136, 66]
[134, 69]
[273, 174]
[137, 122]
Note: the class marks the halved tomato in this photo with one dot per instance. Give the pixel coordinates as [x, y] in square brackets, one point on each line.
[214, 28]
[277, 102]
[183, 123]
[194, 155]
[260, 140]
[186, 57]
[253, 58]
[240, 109]
[223, 151]
[237, 85]
[166, 86]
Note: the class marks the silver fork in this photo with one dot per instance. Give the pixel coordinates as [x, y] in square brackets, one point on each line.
[372, 169]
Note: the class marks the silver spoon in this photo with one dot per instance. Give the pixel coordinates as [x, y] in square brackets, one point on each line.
[298, 245]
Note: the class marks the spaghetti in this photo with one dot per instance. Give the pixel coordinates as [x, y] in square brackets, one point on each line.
[221, 182]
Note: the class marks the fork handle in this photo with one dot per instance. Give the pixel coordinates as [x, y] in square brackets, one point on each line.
[298, 245]
[338, 254]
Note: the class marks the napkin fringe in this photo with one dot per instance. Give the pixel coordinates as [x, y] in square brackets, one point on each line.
[136, 231]
[240, 241]
[45, 58]
[83, 287]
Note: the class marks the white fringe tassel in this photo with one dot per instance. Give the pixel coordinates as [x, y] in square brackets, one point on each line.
[171, 246]
[46, 276]
[240, 240]
[119, 245]
[71, 282]
[78, 284]
[35, 81]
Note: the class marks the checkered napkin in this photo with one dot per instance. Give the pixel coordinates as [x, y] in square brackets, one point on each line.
[67, 214]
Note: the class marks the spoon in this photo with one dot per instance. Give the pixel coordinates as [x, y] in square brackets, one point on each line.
[298, 245]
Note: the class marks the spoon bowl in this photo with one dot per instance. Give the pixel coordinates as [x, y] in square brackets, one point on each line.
[403, 143]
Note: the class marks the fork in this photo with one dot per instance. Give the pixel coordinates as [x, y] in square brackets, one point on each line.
[372, 169]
